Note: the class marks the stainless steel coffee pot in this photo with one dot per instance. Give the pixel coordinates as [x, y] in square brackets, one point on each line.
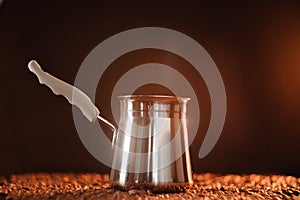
[151, 142]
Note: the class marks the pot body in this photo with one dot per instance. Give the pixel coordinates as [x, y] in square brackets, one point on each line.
[151, 145]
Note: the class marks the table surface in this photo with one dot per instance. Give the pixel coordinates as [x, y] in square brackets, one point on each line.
[97, 186]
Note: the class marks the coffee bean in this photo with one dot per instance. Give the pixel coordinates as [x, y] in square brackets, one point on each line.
[26, 188]
[110, 191]
[133, 192]
[296, 192]
[93, 186]
[287, 192]
[149, 192]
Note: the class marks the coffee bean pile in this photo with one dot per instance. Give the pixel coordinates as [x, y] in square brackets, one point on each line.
[96, 186]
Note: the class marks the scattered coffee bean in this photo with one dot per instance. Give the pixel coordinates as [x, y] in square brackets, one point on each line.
[296, 192]
[95, 186]
[133, 192]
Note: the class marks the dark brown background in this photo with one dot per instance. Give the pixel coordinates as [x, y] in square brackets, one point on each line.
[255, 46]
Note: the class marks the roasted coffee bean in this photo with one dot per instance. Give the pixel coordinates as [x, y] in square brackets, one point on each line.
[296, 192]
[133, 192]
[94, 186]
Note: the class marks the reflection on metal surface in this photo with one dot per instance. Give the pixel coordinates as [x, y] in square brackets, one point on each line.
[152, 131]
